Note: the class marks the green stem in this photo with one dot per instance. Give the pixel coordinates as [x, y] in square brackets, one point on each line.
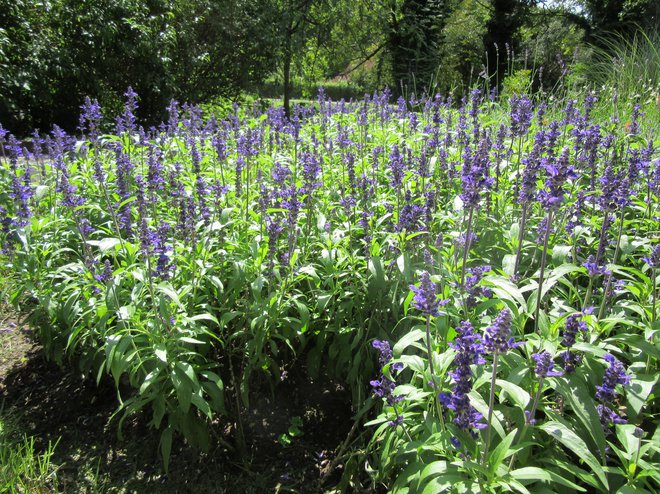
[521, 236]
[528, 421]
[467, 246]
[543, 260]
[603, 305]
[429, 352]
[639, 450]
[405, 430]
[587, 297]
[491, 403]
[655, 295]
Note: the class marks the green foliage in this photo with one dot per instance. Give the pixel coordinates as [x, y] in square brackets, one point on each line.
[294, 431]
[463, 49]
[191, 301]
[53, 54]
[415, 33]
[519, 82]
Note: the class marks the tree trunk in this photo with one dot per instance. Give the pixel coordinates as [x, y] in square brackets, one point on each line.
[288, 56]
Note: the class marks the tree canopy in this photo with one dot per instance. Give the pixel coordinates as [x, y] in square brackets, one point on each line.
[53, 53]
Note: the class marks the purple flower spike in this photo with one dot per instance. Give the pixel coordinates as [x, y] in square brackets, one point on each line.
[385, 351]
[609, 416]
[469, 351]
[606, 394]
[426, 298]
[573, 326]
[654, 259]
[558, 173]
[570, 361]
[498, 338]
[384, 386]
[472, 280]
[615, 374]
[544, 365]
[521, 114]
[594, 268]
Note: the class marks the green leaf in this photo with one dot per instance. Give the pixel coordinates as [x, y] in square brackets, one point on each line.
[628, 489]
[540, 474]
[189, 371]
[149, 380]
[560, 253]
[575, 470]
[519, 395]
[191, 341]
[549, 282]
[227, 317]
[183, 388]
[161, 352]
[508, 263]
[625, 433]
[410, 338]
[578, 396]
[501, 452]
[413, 362]
[205, 316]
[322, 301]
[378, 273]
[638, 342]
[169, 291]
[442, 483]
[403, 263]
[482, 407]
[574, 443]
[215, 389]
[504, 289]
[638, 391]
[166, 447]
[431, 470]
[201, 404]
[406, 478]
[105, 244]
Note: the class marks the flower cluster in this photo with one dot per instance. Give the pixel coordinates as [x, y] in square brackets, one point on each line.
[654, 259]
[593, 267]
[426, 297]
[472, 281]
[614, 374]
[558, 173]
[469, 351]
[522, 110]
[544, 365]
[574, 325]
[384, 386]
[497, 338]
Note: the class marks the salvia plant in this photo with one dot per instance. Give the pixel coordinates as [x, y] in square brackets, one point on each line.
[481, 275]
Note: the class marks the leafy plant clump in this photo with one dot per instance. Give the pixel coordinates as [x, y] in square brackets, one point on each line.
[497, 257]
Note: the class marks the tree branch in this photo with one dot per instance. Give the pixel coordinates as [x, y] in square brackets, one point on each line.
[364, 60]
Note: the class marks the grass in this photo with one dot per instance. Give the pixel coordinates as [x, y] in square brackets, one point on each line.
[23, 468]
[630, 65]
